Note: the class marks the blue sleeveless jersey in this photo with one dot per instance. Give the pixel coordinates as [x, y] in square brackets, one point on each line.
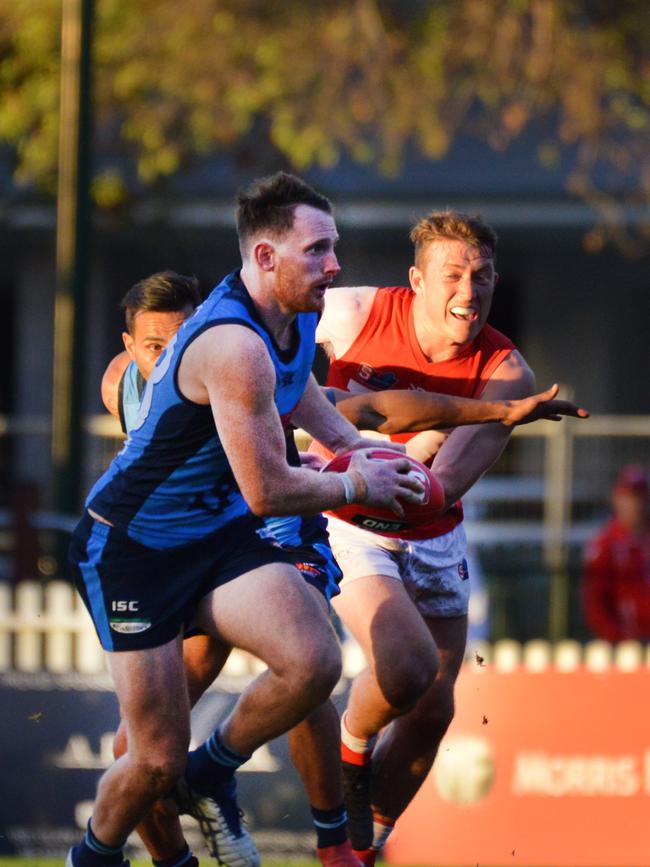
[130, 392]
[171, 484]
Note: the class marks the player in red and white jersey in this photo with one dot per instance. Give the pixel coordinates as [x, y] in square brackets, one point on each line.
[405, 600]
[616, 578]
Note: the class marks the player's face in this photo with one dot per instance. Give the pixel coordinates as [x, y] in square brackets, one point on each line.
[631, 508]
[305, 263]
[152, 331]
[455, 284]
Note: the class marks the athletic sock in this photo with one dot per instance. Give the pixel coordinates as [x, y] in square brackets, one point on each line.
[212, 765]
[381, 831]
[91, 852]
[185, 858]
[330, 826]
[355, 750]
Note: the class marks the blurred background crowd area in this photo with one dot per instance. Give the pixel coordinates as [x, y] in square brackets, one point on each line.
[125, 130]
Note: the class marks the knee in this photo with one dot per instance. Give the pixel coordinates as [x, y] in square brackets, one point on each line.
[318, 670]
[162, 771]
[404, 682]
[161, 759]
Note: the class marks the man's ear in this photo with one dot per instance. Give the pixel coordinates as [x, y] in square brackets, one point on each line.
[127, 340]
[415, 279]
[264, 255]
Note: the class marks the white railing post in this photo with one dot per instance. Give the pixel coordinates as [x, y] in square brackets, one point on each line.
[60, 621]
[5, 626]
[28, 610]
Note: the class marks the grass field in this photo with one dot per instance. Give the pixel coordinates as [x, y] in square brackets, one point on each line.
[8, 861]
[57, 862]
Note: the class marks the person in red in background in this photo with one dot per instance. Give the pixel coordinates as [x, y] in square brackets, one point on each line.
[616, 579]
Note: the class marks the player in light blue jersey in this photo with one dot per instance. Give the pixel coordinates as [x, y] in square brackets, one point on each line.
[171, 529]
[155, 308]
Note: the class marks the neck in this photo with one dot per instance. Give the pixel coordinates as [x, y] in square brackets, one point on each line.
[277, 321]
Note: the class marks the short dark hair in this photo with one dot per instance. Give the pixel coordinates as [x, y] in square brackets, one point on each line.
[163, 292]
[269, 203]
[455, 226]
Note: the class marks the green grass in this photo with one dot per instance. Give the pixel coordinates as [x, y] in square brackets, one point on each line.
[9, 861]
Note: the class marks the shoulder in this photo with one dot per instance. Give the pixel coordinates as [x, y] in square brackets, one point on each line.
[227, 343]
[111, 382]
[346, 311]
[225, 358]
[512, 378]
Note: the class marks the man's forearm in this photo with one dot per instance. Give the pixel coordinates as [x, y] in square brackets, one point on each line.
[392, 412]
[317, 416]
[466, 455]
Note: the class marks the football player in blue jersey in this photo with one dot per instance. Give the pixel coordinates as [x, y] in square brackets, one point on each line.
[154, 310]
[170, 530]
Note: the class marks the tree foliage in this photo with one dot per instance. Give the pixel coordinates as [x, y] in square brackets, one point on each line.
[174, 83]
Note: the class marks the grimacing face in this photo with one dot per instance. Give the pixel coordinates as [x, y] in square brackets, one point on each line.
[152, 331]
[304, 261]
[454, 284]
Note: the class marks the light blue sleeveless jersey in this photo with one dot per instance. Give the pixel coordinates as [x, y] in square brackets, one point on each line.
[131, 389]
[171, 484]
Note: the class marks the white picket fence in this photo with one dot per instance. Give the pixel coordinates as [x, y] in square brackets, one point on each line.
[45, 628]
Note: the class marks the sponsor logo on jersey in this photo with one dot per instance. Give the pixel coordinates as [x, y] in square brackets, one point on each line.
[129, 627]
[374, 379]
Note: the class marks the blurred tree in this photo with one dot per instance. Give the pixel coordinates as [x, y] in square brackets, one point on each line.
[360, 77]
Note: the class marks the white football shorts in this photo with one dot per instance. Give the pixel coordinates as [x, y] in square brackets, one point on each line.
[433, 571]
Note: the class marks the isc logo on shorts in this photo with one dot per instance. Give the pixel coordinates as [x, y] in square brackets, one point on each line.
[124, 605]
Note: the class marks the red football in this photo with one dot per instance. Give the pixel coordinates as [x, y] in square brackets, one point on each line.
[383, 521]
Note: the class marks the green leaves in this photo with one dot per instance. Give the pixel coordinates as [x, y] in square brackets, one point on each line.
[363, 78]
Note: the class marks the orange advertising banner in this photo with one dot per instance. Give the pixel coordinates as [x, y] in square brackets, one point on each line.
[537, 769]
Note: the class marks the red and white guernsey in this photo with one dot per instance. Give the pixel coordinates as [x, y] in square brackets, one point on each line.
[386, 354]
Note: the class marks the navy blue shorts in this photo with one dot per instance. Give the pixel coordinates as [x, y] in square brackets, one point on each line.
[139, 597]
[317, 566]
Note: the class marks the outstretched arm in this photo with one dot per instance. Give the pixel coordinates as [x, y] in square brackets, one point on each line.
[469, 451]
[403, 411]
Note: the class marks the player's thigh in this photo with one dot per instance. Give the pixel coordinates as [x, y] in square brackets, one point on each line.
[383, 619]
[272, 613]
[152, 692]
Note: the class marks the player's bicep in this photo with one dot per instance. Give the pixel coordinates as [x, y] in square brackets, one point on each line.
[513, 379]
[240, 387]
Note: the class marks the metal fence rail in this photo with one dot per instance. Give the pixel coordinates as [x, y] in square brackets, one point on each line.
[46, 629]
